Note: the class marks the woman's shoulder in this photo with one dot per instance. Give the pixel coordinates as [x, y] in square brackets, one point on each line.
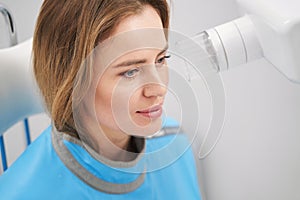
[35, 150]
[28, 173]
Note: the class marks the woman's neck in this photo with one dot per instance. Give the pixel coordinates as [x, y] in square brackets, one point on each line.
[115, 145]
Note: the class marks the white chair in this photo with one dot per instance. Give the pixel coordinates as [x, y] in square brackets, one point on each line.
[19, 96]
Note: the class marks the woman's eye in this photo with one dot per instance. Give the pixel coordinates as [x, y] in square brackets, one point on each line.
[131, 73]
[162, 60]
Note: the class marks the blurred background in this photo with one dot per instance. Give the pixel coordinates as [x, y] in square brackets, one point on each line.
[258, 154]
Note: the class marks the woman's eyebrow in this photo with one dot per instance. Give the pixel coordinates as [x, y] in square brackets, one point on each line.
[130, 62]
[137, 61]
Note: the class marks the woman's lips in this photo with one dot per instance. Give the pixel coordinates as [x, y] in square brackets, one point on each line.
[153, 112]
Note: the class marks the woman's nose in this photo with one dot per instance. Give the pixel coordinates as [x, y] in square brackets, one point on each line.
[155, 90]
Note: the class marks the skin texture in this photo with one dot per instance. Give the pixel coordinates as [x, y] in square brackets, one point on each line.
[129, 96]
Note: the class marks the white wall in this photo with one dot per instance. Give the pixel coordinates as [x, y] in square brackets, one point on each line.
[24, 12]
[258, 154]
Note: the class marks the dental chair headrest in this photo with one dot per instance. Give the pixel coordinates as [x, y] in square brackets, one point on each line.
[19, 95]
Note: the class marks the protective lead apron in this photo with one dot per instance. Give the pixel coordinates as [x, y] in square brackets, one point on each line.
[57, 166]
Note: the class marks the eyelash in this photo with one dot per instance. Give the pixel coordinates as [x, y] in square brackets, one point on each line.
[136, 70]
[163, 59]
[160, 61]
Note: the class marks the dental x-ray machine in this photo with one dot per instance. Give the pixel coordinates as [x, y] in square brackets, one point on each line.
[269, 28]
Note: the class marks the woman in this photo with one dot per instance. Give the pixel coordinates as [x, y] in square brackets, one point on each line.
[101, 68]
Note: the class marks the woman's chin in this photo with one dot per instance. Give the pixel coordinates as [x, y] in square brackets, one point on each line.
[146, 128]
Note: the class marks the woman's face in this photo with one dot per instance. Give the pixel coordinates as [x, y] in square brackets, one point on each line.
[132, 86]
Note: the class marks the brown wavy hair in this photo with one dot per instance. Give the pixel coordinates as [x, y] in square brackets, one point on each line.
[66, 33]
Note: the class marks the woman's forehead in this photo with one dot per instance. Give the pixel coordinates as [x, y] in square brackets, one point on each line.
[148, 18]
[140, 43]
[141, 35]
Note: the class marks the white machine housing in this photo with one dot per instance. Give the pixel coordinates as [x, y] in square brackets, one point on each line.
[268, 28]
